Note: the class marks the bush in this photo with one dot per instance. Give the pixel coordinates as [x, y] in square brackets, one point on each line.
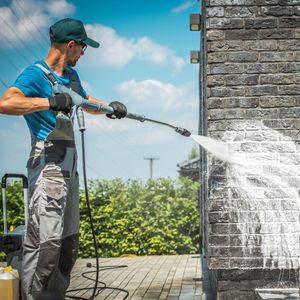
[155, 218]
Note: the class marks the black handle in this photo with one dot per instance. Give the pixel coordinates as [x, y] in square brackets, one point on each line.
[21, 176]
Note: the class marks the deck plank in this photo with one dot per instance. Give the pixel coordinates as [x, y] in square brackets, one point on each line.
[170, 277]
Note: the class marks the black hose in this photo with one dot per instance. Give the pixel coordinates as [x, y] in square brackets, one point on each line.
[95, 288]
[89, 214]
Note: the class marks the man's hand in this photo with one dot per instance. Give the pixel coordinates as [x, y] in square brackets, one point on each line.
[120, 110]
[61, 102]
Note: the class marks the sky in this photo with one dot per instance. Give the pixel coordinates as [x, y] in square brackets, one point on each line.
[142, 61]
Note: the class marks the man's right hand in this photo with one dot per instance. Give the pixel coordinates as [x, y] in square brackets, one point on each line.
[61, 102]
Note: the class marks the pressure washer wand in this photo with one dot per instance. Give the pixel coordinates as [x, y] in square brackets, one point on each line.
[140, 118]
[96, 106]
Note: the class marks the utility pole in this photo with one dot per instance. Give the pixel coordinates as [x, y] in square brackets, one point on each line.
[151, 159]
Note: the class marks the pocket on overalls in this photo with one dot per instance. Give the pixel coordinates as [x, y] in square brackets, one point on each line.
[56, 191]
[55, 154]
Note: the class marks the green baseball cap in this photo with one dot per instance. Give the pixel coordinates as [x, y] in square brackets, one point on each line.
[70, 29]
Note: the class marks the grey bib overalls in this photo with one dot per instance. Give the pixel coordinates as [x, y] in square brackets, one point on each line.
[51, 241]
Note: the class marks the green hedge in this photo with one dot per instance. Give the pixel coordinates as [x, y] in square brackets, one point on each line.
[158, 217]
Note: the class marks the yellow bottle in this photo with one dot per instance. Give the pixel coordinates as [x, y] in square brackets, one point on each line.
[9, 284]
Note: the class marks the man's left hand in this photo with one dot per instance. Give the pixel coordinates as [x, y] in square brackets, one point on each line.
[120, 110]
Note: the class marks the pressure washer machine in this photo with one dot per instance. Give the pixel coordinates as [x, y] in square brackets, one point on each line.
[11, 243]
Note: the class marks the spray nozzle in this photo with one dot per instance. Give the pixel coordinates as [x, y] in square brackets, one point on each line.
[182, 131]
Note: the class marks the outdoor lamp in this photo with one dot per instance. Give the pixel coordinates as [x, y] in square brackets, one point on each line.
[195, 57]
[195, 22]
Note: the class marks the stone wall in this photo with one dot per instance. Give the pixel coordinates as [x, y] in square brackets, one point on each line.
[250, 75]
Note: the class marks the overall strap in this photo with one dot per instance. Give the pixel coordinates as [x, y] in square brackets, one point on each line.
[48, 74]
[74, 83]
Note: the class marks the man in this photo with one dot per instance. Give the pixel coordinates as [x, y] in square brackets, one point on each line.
[51, 241]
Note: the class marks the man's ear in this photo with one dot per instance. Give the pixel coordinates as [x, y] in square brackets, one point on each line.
[70, 44]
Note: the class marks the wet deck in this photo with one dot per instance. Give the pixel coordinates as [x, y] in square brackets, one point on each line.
[148, 277]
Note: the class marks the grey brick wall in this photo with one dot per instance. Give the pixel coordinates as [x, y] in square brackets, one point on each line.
[252, 101]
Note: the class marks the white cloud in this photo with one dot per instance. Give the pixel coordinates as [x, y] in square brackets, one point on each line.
[60, 8]
[183, 6]
[152, 92]
[23, 21]
[117, 51]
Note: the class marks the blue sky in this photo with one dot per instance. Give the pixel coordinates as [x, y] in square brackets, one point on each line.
[143, 61]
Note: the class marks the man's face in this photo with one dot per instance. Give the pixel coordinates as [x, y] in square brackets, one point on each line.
[75, 50]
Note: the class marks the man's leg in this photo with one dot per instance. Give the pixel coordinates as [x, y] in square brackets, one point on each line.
[43, 241]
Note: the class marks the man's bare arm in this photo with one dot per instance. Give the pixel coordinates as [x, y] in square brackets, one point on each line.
[14, 102]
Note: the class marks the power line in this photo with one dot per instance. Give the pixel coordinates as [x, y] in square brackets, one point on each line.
[11, 62]
[9, 26]
[17, 50]
[45, 37]
[26, 28]
[3, 83]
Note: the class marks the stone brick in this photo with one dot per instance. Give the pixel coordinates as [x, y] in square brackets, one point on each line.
[225, 46]
[260, 68]
[227, 91]
[232, 102]
[228, 285]
[226, 68]
[282, 124]
[261, 90]
[225, 23]
[260, 23]
[289, 45]
[218, 217]
[241, 34]
[218, 263]
[261, 45]
[289, 90]
[214, 35]
[242, 56]
[215, 103]
[277, 79]
[215, 11]
[288, 67]
[278, 147]
[213, 80]
[240, 12]
[297, 55]
[276, 101]
[275, 33]
[216, 57]
[290, 113]
[218, 240]
[276, 11]
[260, 114]
[236, 295]
[289, 22]
[249, 102]
[219, 251]
[219, 114]
[273, 56]
[241, 79]
[227, 2]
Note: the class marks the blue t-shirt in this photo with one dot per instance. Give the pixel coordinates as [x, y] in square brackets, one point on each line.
[34, 83]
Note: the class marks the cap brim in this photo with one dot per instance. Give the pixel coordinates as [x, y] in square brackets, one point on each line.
[91, 43]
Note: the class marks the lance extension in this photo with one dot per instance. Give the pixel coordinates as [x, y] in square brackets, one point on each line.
[95, 106]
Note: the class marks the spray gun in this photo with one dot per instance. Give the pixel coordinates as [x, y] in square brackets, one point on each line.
[80, 102]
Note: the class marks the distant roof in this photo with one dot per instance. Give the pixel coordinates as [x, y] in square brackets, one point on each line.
[190, 168]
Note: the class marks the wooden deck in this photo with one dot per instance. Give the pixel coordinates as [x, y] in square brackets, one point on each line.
[148, 277]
